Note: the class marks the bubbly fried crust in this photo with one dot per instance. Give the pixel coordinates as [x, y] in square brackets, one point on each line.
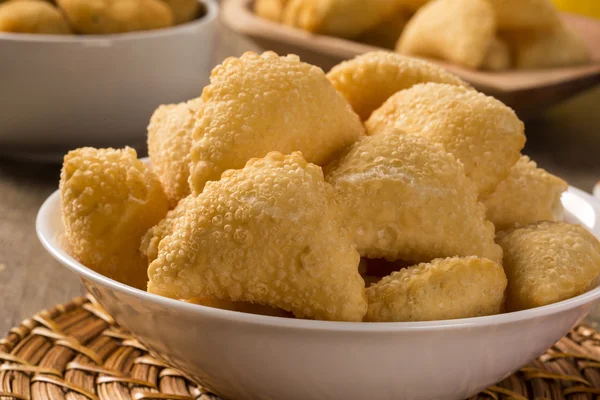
[498, 56]
[249, 308]
[109, 199]
[459, 31]
[404, 197]
[270, 9]
[116, 16]
[368, 80]
[524, 14]
[386, 33]
[261, 103]
[343, 18]
[547, 262]
[529, 194]
[557, 47]
[169, 145]
[484, 134]
[442, 289]
[154, 235]
[270, 234]
[184, 10]
[32, 16]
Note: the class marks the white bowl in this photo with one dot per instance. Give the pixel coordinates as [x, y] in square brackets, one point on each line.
[244, 356]
[61, 92]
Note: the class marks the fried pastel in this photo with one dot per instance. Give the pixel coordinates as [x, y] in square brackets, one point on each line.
[547, 262]
[169, 144]
[460, 31]
[32, 16]
[269, 233]
[154, 235]
[116, 16]
[184, 10]
[270, 9]
[261, 103]
[404, 197]
[343, 18]
[386, 33]
[368, 80]
[529, 194]
[249, 308]
[497, 57]
[442, 289]
[484, 134]
[524, 14]
[109, 199]
[557, 47]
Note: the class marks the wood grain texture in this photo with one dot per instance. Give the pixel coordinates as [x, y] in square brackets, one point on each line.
[565, 141]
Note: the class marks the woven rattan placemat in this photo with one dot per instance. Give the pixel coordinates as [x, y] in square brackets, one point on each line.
[76, 351]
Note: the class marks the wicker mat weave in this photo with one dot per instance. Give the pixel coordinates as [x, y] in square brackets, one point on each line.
[76, 352]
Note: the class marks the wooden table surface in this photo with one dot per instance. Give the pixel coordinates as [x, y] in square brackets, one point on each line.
[566, 141]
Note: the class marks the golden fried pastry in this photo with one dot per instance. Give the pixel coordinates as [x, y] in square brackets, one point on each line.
[529, 194]
[368, 80]
[460, 31]
[109, 199]
[270, 9]
[442, 289]
[116, 16]
[557, 47]
[32, 16]
[184, 10]
[386, 33]
[261, 103]
[154, 235]
[497, 57]
[169, 143]
[484, 134]
[547, 262]
[404, 197]
[343, 18]
[269, 233]
[524, 14]
[249, 308]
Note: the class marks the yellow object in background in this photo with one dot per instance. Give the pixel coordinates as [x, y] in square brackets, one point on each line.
[591, 8]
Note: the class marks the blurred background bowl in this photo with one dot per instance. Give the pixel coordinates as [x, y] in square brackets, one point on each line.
[62, 92]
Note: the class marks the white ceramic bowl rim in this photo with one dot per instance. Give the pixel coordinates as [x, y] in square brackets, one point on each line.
[211, 13]
[45, 232]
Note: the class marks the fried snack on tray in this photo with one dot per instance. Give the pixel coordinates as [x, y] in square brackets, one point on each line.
[261, 103]
[109, 199]
[154, 235]
[32, 16]
[116, 16]
[184, 10]
[524, 14]
[529, 194]
[460, 31]
[169, 143]
[269, 233]
[441, 289]
[270, 9]
[547, 262]
[343, 18]
[404, 197]
[484, 134]
[557, 47]
[498, 56]
[368, 80]
[250, 308]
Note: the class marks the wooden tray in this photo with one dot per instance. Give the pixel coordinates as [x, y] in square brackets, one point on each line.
[75, 351]
[528, 92]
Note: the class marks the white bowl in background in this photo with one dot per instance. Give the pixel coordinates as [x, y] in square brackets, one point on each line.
[249, 357]
[61, 92]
